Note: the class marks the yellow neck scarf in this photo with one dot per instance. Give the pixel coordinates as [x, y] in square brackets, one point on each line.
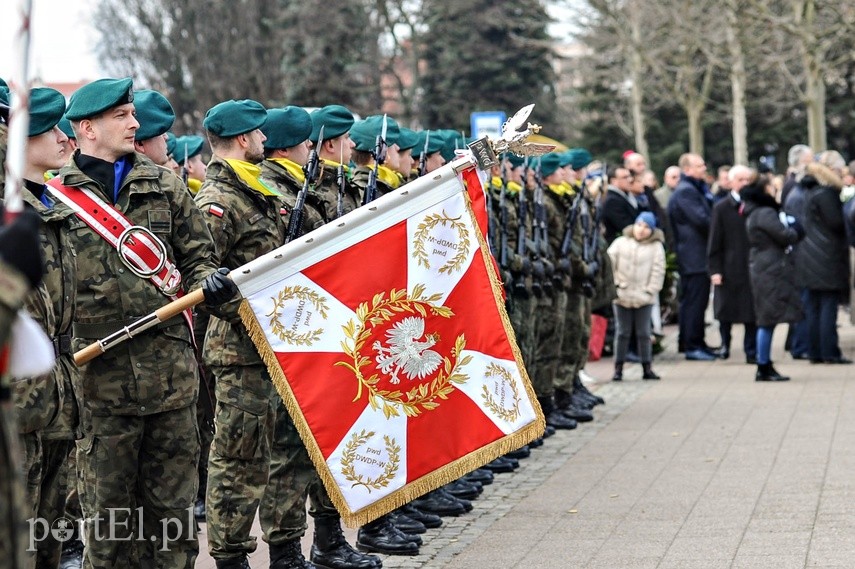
[194, 185]
[334, 164]
[513, 187]
[294, 169]
[388, 176]
[250, 173]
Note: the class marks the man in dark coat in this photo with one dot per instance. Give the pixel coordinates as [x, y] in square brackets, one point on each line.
[727, 255]
[822, 259]
[690, 213]
[793, 204]
[620, 206]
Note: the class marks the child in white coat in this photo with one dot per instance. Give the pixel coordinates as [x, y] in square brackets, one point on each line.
[638, 261]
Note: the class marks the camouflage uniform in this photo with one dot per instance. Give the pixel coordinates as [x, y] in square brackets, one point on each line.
[47, 409]
[521, 300]
[326, 190]
[551, 310]
[140, 444]
[251, 224]
[385, 183]
[13, 535]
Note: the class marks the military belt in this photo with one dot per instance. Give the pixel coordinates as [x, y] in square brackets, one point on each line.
[98, 330]
[62, 345]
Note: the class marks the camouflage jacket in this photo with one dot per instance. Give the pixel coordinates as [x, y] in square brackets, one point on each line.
[360, 180]
[277, 176]
[49, 400]
[557, 206]
[245, 225]
[156, 371]
[13, 290]
[326, 191]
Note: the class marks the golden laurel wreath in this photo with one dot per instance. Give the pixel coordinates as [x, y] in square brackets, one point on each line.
[349, 456]
[422, 397]
[301, 293]
[421, 236]
[509, 415]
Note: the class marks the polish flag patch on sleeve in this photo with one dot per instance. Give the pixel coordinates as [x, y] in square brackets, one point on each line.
[214, 209]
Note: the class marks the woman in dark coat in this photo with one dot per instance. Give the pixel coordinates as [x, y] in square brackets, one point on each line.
[776, 297]
[822, 259]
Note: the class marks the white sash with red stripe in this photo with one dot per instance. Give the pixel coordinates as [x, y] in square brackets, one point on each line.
[138, 248]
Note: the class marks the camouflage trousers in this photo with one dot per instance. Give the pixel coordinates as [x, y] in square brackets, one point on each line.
[46, 473]
[257, 463]
[136, 478]
[13, 508]
[551, 316]
[577, 335]
[521, 312]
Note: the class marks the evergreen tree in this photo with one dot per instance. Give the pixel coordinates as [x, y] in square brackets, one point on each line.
[482, 55]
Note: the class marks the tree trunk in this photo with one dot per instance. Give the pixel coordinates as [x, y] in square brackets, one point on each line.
[636, 76]
[815, 105]
[694, 111]
[737, 86]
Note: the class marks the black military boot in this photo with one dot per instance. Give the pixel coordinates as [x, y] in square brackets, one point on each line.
[579, 387]
[440, 504]
[330, 549]
[380, 536]
[502, 464]
[554, 417]
[236, 562]
[767, 372]
[484, 476]
[464, 489]
[406, 523]
[426, 519]
[522, 452]
[648, 372]
[287, 556]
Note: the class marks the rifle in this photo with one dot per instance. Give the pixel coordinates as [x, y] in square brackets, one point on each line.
[340, 180]
[543, 268]
[507, 277]
[311, 170]
[423, 157]
[569, 226]
[522, 245]
[525, 246]
[379, 156]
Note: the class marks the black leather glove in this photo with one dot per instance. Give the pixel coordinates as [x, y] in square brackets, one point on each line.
[218, 287]
[796, 224]
[20, 247]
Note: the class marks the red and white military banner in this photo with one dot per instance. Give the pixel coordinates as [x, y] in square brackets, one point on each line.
[385, 333]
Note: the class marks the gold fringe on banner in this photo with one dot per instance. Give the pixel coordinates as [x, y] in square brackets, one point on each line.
[432, 480]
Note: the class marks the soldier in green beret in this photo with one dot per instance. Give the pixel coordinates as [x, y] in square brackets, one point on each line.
[65, 126]
[365, 134]
[429, 145]
[407, 140]
[188, 157]
[46, 406]
[155, 115]
[139, 447]
[334, 188]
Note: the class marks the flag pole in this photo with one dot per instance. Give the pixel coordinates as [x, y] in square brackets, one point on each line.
[19, 116]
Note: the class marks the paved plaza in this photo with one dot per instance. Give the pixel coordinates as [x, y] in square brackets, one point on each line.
[704, 469]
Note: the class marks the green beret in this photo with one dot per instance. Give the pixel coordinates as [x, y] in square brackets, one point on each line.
[365, 132]
[435, 142]
[65, 126]
[407, 139]
[154, 113]
[287, 127]
[581, 158]
[335, 119]
[96, 97]
[231, 118]
[549, 163]
[46, 108]
[515, 160]
[170, 143]
[4, 95]
[566, 158]
[453, 141]
[187, 146]
[3, 83]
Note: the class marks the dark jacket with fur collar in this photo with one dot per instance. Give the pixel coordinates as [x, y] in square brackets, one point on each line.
[822, 258]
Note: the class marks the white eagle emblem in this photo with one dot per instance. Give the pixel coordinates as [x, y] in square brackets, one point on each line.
[406, 353]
